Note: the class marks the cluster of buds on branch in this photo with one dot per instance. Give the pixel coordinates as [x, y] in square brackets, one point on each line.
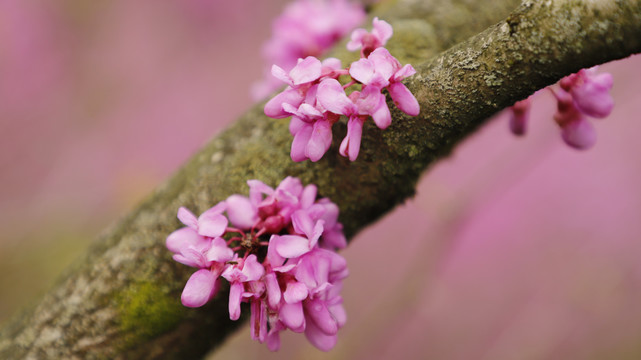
[579, 95]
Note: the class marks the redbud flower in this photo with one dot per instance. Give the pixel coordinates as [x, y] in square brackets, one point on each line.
[295, 286]
[316, 99]
[368, 42]
[306, 28]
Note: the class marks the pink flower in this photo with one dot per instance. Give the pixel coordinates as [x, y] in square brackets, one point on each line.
[312, 132]
[590, 91]
[297, 284]
[357, 107]
[576, 130]
[209, 255]
[381, 69]
[306, 28]
[238, 275]
[368, 42]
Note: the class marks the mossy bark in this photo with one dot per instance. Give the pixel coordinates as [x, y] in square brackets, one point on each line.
[123, 300]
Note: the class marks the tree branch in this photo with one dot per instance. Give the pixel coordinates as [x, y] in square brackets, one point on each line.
[123, 299]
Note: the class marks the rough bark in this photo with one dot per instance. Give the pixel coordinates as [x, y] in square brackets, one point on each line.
[123, 299]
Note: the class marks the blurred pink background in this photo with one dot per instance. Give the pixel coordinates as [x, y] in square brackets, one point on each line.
[514, 248]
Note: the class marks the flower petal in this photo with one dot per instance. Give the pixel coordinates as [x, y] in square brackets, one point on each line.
[382, 30]
[579, 134]
[295, 292]
[303, 223]
[292, 316]
[299, 145]
[235, 294]
[241, 212]
[306, 71]
[273, 290]
[212, 224]
[332, 97]
[200, 287]
[274, 107]
[352, 142]
[219, 251]
[404, 99]
[281, 75]
[185, 237]
[252, 269]
[362, 70]
[187, 217]
[318, 338]
[291, 246]
[317, 310]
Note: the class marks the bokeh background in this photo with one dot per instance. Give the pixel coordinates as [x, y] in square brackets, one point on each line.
[513, 248]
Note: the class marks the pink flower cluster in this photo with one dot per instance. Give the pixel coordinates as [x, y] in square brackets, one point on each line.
[585, 93]
[277, 250]
[306, 28]
[315, 99]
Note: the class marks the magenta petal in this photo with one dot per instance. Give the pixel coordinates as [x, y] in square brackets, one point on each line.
[308, 196]
[291, 246]
[281, 75]
[384, 62]
[352, 142]
[187, 217]
[299, 145]
[273, 290]
[184, 238]
[362, 70]
[334, 239]
[187, 260]
[404, 99]
[318, 338]
[295, 125]
[199, 288]
[274, 107]
[253, 269]
[332, 97]
[303, 223]
[273, 340]
[272, 255]
[382, 30]
[306, 71]
[292, 316]
[356, 39]
[593, 99]
[317, 310]
[211, 224]
[579, 134]
[258, 319]
[295, 292]
[292, 186]
[406, 71]
[332, 63]
[192, 257]
[219, 251]
[338, 312]
[381, 115]
[235, 294]
[242, 214]
[309, 112]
